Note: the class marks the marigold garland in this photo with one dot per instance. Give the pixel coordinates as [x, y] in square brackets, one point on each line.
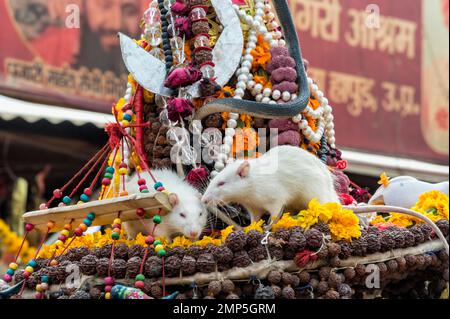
[315, 213]
[433, 204]
[225, 232]
[255, 226]
[261, 54]
[344, 224]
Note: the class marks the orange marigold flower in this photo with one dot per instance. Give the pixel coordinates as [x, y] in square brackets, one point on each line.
[314, 104]
[261, 54]
[226, 92]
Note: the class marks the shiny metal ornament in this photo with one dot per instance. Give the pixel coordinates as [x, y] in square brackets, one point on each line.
[147, 70]
[227, 52]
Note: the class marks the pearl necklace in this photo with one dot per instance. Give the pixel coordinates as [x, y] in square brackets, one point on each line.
[256, 24]
[323, 114]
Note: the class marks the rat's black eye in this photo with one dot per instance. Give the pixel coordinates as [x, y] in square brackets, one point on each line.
[183, 215]
[221, 184]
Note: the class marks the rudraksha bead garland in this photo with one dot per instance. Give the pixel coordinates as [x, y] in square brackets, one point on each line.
[330, 281]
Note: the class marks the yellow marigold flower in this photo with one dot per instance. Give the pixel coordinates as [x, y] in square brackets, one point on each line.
[315, 213]
[378, 220]
[181, 241]
[140, 239]
[401, 220]
[225, 232]
[255, 226]
[206, 240]
[148, 96]
[384, 180]
[344, 225]
[11, 243]
[286, 221]
[434, 205]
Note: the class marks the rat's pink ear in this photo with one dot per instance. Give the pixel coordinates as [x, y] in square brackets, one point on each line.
[173, 199]
[244, 169]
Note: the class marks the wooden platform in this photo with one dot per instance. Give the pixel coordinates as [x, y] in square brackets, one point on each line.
[105, 211]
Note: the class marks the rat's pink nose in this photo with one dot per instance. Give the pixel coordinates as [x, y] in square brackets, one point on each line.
[193, 234]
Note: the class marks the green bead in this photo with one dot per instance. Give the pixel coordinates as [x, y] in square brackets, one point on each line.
[115, 236]
[140, 277]
[91, 216]
[110, 170]
[157, 242]
[109, 176]
[145, 191]
[157, 219]
[87, 222]
[162, 253]
[67, 200]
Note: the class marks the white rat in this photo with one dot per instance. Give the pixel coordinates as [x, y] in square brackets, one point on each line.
[188, 216]
[285, 176]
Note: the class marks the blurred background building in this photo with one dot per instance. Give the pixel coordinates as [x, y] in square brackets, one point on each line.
[384, 69]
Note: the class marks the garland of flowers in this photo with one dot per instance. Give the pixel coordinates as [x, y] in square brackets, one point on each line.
[343, 223]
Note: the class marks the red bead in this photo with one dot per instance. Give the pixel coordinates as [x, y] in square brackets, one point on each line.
[78, 232]
[26, 274]
[142, 181]
[140, 212]
[109, 281]
[123, 165]
[116, 226]
[57, 193]
[29, 227]
[139, 285]
[106, 182]
[108, 288]
[149, 240]
[142, 187]
[87, 192]
[62, 238]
